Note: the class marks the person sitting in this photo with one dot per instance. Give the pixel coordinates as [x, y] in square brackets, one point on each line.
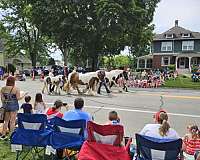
[39, 105]
[161, 129]
[113, 118]
[55, 110]
[27, 107]
[191, 141]
[78, 113]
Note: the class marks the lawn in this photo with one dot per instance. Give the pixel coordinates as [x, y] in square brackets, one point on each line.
[182, 82]
[5, 151]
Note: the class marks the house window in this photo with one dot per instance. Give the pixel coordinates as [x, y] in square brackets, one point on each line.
[169, 36]
[165, 61]
[188, 45]
[186, 35]
[166, 46]
[149, 63]
[141, 63]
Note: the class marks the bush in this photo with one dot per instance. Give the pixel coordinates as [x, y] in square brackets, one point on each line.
[11, 68]
[194, 69]
[172, 67]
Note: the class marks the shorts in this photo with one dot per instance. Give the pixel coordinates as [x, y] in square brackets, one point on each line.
[11, 107]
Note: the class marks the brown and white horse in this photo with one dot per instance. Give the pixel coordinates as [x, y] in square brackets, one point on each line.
[56, 82]
[89, 79]
[75, 79]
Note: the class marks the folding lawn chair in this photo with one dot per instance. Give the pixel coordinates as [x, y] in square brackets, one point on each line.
[104, 143]
[67, 135]
[149, 148]
[31, 136]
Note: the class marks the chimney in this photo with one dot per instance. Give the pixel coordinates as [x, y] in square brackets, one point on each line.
[176, 23]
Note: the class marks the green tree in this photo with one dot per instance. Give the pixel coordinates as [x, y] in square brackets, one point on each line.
[20, 34]
[51, 61]
[95, 27]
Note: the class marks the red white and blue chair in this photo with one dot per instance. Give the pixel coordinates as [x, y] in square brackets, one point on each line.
[104, 143]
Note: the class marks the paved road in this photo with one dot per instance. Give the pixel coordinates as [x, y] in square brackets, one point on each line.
[135, 108]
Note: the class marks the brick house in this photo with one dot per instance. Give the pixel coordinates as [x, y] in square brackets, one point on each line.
[177, 46]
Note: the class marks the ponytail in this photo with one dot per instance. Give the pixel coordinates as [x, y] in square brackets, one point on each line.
[164, 128]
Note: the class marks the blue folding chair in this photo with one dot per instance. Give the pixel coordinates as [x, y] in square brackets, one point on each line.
[31, 134]
[149, 148]
[67, 134]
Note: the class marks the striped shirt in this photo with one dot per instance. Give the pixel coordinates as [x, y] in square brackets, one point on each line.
[191, 145]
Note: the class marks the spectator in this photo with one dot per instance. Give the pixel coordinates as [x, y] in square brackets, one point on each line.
[55, 110]
[161, 129]
[39, 105]
[191, 141]
[10, 95]
[77, 113]
[27, 107]
[113, 118]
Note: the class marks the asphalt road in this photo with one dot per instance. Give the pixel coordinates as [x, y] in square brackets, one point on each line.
[135, 108]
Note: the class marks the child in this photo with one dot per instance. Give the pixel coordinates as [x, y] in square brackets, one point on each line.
[191, 141]
[39, 105]
[55, 110]
[27, 107]
[113, 118]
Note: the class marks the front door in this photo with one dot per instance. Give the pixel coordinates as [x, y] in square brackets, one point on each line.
[182, 63]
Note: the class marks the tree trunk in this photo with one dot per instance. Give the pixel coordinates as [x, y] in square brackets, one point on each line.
[33, 59]
[94, 62]
[65, 56]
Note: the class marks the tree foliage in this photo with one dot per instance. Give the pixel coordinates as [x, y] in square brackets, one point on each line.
[95, 27]
[20, 35]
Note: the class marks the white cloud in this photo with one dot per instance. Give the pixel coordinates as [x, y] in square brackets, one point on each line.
[186, 11]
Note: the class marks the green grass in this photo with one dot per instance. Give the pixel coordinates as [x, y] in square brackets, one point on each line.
[5, 151]
[182, 82]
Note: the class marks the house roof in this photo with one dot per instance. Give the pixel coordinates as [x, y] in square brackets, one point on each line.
[177, 32]
[149, 56]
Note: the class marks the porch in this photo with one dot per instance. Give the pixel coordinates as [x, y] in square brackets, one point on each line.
[186, 61]
[145, 62]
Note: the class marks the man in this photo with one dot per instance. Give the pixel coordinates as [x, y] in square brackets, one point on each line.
[101, 75]
[78, 113]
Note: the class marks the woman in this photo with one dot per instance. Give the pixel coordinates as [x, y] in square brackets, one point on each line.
[161, 129]
[9, 97]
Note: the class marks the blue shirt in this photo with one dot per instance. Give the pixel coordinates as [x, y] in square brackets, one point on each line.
[77, 114]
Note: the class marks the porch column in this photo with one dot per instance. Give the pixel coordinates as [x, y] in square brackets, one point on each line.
[190, 58]
[176, 62]
[138, 63]
[145, 64]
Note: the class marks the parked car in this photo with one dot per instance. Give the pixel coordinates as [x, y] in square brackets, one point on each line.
[27, 72]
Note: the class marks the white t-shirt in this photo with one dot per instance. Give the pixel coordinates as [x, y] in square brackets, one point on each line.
[40, 108]
[152, 130]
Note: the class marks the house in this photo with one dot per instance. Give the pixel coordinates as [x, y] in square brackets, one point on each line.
[177, 46]
[20, 61]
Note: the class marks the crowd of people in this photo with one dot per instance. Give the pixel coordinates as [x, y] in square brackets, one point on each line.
[10, 95]
[149, 79]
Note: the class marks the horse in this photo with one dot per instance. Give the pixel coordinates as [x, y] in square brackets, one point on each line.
[75, 79]
[51, 83]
